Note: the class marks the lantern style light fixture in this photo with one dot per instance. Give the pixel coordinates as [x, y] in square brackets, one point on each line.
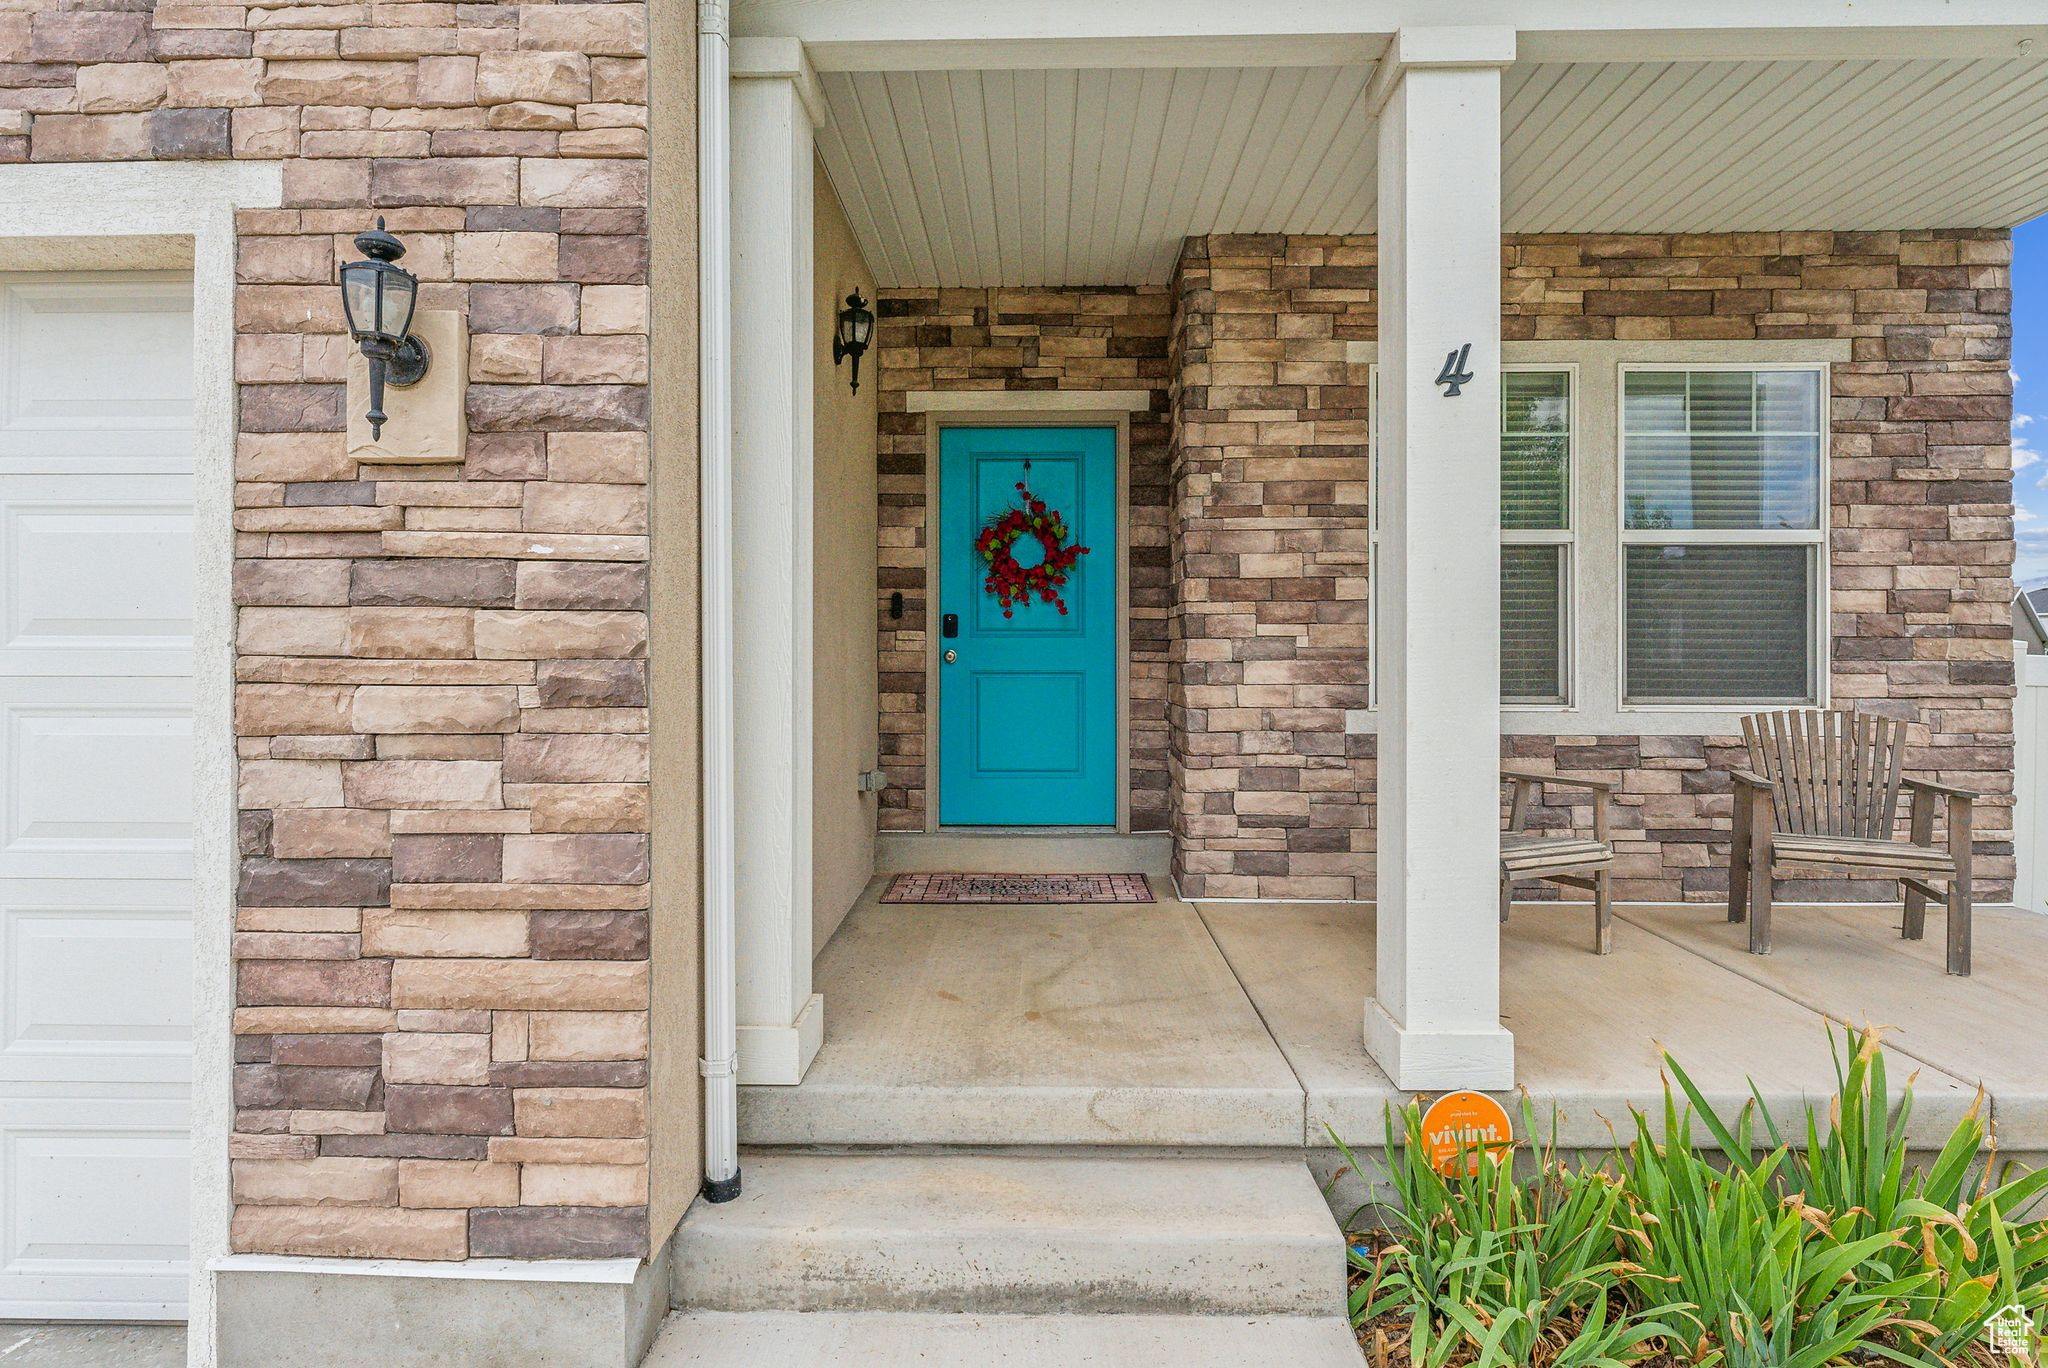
[378, 297]
[850, 338]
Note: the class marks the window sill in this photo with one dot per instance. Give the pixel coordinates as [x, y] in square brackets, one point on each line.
[1565, 721]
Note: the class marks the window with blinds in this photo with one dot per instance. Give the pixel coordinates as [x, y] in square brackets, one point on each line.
[1722, 533]
[1536, 534]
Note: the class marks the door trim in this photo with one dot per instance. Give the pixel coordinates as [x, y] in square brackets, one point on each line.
[180, 216]
[1028, 403]
[1050, 415]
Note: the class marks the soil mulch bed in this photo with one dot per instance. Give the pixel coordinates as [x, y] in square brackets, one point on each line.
[1385, 1342]
[1384, 1339]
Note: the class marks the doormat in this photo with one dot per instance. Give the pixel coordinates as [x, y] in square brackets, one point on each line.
[1019, 888]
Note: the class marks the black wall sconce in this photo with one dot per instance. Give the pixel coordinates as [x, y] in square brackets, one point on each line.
[378, 297]
[856, 327]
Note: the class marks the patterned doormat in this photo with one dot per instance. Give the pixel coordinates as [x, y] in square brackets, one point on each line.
[1019, 888]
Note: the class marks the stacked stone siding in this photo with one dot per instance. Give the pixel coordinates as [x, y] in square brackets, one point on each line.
[1079, 339]
[441, 1029]
[1269, 552]
[1272, 800]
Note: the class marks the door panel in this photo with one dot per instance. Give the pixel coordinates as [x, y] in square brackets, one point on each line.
[70, 602]
[96, 608]
[1027, 711]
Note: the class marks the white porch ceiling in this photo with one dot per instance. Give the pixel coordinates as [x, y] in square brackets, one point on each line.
[1094, 176]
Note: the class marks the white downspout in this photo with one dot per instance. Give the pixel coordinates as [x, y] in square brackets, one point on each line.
[720, 1063]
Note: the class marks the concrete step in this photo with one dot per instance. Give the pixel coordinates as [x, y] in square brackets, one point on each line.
[719, 1339]
[1009, 1234]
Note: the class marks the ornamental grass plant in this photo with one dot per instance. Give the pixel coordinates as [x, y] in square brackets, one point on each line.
[1727, 1241]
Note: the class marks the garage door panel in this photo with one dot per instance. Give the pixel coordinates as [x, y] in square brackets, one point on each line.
[95, 783]
[70, 599]
[96, 1203]
[96, 368]
[136, 1028]
[96, 754]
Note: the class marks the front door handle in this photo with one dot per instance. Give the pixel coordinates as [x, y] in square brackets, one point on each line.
[951, 656]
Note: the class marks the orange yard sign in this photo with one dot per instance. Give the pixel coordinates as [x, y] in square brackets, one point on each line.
[1467, 1123]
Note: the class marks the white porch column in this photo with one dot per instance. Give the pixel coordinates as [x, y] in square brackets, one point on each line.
[775, 105]
[1434, 1019]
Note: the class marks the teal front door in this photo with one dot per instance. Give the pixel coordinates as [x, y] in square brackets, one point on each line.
[1027, 703]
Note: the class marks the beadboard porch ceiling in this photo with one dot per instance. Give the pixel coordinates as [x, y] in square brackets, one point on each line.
[1094, 176]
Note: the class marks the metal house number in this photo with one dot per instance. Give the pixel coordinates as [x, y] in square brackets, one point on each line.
[1454, 377]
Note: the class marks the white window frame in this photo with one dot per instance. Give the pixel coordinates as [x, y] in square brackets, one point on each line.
[1598, 612]
[1566, 537]
[1820, 645]
[1372, 538]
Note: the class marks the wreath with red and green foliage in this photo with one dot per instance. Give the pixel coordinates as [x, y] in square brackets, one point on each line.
[1012, 583]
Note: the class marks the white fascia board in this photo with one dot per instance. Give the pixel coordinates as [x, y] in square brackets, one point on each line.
[934, 35]
[1858, 37]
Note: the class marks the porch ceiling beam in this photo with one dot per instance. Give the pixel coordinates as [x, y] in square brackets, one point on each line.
[937, 35]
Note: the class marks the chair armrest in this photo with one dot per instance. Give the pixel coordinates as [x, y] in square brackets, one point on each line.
[1756, 813]
[1561, 780]
[1949, 790]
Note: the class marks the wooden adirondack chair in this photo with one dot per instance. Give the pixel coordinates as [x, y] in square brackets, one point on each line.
[1823, 789]
[1564, 859]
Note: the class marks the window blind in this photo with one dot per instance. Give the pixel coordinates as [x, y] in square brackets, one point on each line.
[1719, 622]
[1532, 624]
[1722, 522]
[1535, 519]
[1722, 450]
[1535, 449]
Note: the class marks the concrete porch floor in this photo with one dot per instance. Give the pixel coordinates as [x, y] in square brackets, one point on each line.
[1239, 1024]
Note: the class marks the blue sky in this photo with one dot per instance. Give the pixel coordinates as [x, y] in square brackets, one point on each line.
[2030, 398]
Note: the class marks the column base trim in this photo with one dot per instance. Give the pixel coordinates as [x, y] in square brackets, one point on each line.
[780, 1055]
[1437, 1061]
[600, 1271]
[346, 1313]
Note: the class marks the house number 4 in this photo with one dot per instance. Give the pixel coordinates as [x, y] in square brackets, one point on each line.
[1454, 377]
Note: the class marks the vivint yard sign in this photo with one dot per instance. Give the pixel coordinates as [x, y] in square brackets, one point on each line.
[1461, 1126]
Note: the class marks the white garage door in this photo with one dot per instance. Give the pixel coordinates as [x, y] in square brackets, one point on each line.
[95, 794]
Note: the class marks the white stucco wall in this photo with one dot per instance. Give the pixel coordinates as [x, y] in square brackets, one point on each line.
[843, 577]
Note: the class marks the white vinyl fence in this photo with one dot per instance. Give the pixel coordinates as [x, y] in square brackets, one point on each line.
[2030, 781]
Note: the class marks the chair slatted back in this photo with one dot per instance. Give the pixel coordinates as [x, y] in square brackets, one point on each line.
[1836, 772]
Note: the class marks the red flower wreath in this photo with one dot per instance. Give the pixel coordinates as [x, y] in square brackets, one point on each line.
[1012, 583]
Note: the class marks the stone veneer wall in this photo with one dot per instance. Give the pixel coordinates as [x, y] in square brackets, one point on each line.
[1270, 542]
[1271, 799]
[442, 987]
[971, 339]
